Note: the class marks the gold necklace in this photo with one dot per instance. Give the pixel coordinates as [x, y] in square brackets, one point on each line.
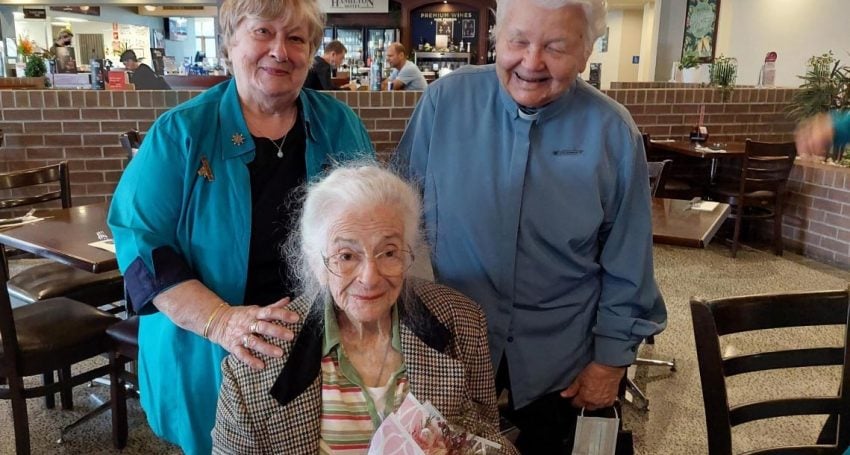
[279, 147]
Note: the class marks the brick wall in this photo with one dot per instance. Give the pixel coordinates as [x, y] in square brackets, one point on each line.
[816, 221]
[734, 116]
[82, 126]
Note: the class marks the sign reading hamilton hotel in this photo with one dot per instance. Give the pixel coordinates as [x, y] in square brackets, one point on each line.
[355, 6]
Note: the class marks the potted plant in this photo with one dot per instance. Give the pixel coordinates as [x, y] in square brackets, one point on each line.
[35, 66]
[722, 74]
[689, 66]
[825, 87]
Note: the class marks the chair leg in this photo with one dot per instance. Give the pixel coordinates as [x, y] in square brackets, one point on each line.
[634, 389]
[19, 416]
[777, 230]
[66, 392]
[118, 397]
[49, 399]
[736, 234]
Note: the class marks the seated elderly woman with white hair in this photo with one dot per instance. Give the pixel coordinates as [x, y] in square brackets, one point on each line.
[370, 334]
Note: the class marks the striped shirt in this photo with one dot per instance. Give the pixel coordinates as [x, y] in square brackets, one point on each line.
[349, 416]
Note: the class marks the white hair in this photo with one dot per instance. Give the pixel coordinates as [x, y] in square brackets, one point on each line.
[594, 14]
[354, 185]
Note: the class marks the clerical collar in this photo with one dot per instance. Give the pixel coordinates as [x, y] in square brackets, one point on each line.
[528, 113]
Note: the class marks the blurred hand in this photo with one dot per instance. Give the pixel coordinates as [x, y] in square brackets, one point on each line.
[595, 387]
[814, 136]
[240, 330]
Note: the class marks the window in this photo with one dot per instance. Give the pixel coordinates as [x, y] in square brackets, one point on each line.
[205, 36]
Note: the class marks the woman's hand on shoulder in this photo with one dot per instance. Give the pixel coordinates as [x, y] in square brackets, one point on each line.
[242, 331]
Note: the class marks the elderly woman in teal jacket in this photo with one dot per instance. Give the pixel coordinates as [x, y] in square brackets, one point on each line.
[202, 211]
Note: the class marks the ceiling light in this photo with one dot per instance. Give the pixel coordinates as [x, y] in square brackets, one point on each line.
[84, 8]
[69, 19]
[150, 8]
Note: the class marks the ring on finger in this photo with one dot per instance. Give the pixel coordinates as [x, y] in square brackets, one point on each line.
[254, 325]
[245, 340]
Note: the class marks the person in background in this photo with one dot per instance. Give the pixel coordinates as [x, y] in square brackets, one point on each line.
[819, 134]
[405, 75]
[553, 233]
[62, 40]
[142, 76]
[367, 333]
[202, 211]
[319, 77]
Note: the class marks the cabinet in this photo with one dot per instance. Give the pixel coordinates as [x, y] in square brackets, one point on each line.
[453, 60]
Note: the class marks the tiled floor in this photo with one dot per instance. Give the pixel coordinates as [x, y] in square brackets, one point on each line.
[674, 423]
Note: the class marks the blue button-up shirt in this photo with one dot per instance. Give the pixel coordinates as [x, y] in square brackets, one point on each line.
[543, 219]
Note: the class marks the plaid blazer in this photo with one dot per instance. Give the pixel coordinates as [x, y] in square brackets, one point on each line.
[444, 344]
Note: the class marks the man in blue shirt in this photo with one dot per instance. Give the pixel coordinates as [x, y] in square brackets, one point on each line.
[405, 75]
[537, 206]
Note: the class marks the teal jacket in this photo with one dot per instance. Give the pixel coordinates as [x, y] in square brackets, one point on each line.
[182, 210]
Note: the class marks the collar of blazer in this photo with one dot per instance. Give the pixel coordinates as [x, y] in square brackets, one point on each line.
[304, 362]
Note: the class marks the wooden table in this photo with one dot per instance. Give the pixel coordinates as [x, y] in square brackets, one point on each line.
[730, 150]
[65, 237]
[687, 150]
[675, 223]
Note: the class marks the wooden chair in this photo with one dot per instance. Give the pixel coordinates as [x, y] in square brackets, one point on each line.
[658, 173]
[755, 187]
[685, 179]
[131, 141]
[36, 186]
[39, 339]
[124, 342]
[715, 318]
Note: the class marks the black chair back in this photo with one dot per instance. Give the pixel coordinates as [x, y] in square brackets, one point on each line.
[715, 318]
[37, 183]
[131, 141]
[658, 172]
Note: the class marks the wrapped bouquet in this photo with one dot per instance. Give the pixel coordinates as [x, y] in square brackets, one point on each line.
[419, 429]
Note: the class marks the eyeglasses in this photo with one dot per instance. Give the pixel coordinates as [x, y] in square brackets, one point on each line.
[390, 263]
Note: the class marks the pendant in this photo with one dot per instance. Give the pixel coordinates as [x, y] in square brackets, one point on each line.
[205, 171]
[280, 153]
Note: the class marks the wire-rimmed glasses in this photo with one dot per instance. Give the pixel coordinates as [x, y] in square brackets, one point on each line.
[391, 262]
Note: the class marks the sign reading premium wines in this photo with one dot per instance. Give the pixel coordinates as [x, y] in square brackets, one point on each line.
[355, 6]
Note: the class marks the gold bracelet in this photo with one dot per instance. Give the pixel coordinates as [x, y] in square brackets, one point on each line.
[212, 318]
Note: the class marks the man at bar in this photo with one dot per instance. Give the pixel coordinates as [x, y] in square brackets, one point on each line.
[319, 77]
[538, 208]
[405, 75]
[143, 77]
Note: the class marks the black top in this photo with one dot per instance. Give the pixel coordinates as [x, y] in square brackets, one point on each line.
[146, 79]
[319, 77]
[274, 209]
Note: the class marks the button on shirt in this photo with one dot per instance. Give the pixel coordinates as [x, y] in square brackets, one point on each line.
[552, 236]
